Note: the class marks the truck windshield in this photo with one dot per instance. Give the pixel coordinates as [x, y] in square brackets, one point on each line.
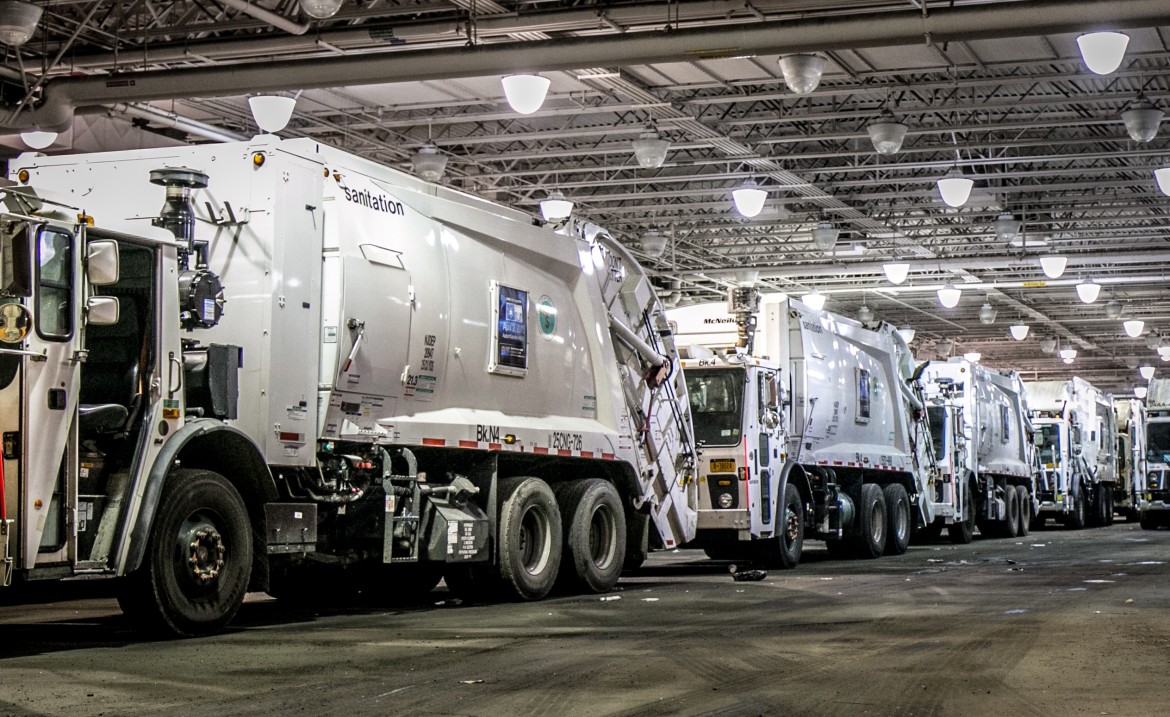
[716, 398]
[938, 427]
[1158, 442]
[1050, 446]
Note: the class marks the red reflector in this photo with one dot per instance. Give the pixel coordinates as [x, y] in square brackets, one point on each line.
[433, 442]
[468, 444]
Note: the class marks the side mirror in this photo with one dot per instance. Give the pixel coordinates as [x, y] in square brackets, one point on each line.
[102, 311]
[16, 259]
[101, 262]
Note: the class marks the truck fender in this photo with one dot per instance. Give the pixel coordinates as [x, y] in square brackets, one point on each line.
[792, 472]
[236, 457]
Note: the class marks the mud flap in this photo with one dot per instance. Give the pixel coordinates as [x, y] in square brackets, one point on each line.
[5, 553]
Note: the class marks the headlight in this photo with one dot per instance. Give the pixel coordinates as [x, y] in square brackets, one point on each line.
[726, 500]
[1154, 480]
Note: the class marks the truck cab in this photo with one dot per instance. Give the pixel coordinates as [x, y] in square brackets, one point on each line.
[735, 404]
[1154, 506]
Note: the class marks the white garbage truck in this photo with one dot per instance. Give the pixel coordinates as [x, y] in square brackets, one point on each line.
[1154, 496]
[813, 431]
[982, 435]
[314, 361]
[1131, 456]
[1076, 441]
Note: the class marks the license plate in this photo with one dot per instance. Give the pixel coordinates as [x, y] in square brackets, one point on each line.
[723, 466]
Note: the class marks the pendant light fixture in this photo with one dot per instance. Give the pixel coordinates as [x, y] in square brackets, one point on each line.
[907, 334]
[896, 271]
[973, 356]
[1163, 177]
[1140, 391]
[954, 188]
[814, 300]
[749, 198]
[1007, 227]
[1019, 331]
[1067, 354]
[555, 207]
[1088, 290]
[272, 112]
[824, 235]
[321, 9]
[802, 73]
[864, 314]
[18, 22]
[1103, 51]
[987, 314]
[428, 163]
[944, 348]
[38, 139]
[887, 134]
[650, 149]
[1147, 371]
[1113, 309]
[653, 242]
[1048, 345]
[1142, 120]
[1133, 328]
[949, 295]
[525, 93]
[1053, 265]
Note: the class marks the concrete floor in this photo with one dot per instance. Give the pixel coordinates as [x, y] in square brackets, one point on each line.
[1057, 623]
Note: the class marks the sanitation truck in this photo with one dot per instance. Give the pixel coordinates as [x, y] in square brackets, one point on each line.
[982, 435]
[1154, 495]
[226, 366]
[811, 432]
[1076, 440]
[1131, 456]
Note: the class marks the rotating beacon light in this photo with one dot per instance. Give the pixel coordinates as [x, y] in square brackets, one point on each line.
[201, 297]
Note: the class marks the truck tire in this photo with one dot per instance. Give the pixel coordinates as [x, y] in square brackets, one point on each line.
[198, 560]
[1108, 505]
[1010, 526]
[529, 538]
[783, 551]
[1025, 509]
[898, 519]
[1149, 521]
[871, 519]
[594, 537]
[1076, 519]
[962, 531]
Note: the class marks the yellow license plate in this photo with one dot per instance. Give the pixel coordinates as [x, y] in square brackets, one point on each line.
[723, 466]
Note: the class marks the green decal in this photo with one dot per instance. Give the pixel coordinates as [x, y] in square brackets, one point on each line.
[546, 313]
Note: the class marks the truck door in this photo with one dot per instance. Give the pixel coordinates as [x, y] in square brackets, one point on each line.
[40, 437]
[374, 337]
[764, 444]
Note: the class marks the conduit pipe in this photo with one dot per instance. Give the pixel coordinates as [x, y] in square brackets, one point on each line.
[1152, 258]
[63, 95]
[167, 119]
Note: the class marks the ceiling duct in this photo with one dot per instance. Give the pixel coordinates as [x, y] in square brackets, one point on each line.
[63, 95]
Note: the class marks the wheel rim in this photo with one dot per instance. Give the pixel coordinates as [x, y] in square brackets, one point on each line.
[901, 521]
[203, 551]
[791, 526]
[878, 523]
[602, 534]
[535, 541]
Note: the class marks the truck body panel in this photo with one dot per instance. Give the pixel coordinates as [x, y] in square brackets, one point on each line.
[406, 358]
[1076, 442]
[982, 432]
